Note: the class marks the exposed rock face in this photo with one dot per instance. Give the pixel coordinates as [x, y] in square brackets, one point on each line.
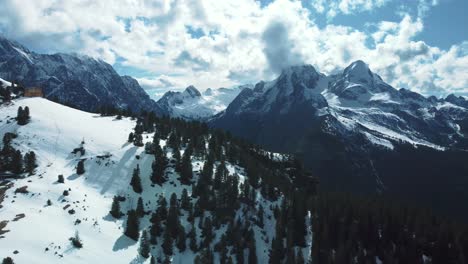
[79, 80]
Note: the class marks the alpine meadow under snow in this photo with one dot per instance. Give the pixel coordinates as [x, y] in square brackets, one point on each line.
[39, 222]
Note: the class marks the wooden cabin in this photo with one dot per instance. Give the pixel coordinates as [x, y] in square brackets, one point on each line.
[33, 92]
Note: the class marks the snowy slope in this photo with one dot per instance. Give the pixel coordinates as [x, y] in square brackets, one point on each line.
[53, 132]
[4, 83]
[43, 234]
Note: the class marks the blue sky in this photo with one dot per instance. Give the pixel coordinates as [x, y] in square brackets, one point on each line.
[170, 44]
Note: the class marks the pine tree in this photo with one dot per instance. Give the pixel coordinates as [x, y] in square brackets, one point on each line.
[144, 245]
[8, 260]
[173, 222]
[17, 162]
[22, 117]
[30, 162]
[133, 225]
[135, 182]
[260, 216]
[138, 140]
[162, 208]
[239, 256]
[185, 169]
[193, 239]
[206, 176]
[140, 210]
[159, 165]
[149, 148]
[185, 200]
[115, 208]
[155, 229]
[152, 260]
[207, 232]
[253, 254]
[167, 243]
[220, 175]
[80, 169]
[181, 239]
[131, 137]
[177, 157]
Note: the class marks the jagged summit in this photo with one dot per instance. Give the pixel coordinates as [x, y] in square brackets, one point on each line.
[305, 69]
[358, 72]
[82, 81]
[192, 91]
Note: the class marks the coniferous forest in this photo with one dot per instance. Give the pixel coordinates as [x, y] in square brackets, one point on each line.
[345, 228]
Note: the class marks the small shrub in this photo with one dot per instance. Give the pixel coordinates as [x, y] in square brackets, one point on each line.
[60, 179]
[76, 241]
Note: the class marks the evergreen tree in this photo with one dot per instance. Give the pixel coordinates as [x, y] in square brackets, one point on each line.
[131, 137]
[240, 256]
[260, 216]
[193, 239]
[115, 208]
[152, 260]
[140, 209]
[185, 170]
[136, 181]
[167, 243]
[181, 239]
[173, 222]
[30, 162]
[138, 140]
[144, 245]
[253, 254]
[207, 232]
[149, 148]
[185, 200]
[162, 208]
[80, 169]
[8, 260]
[206, 175]
[155, 229]
[177, 157]
[159, 165]
[23, 117]
[220, 175]
[133, 225]
[17, 162]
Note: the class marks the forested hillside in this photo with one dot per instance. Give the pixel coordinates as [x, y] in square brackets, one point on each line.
[161, 190]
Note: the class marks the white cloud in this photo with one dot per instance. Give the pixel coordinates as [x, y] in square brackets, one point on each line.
[335, 7]
[234, 46]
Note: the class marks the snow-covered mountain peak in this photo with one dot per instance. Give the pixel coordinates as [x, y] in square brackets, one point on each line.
[191, 104]
[298, 76]
[305, 70]
[358, 71]
[457, 100]
[192, 92]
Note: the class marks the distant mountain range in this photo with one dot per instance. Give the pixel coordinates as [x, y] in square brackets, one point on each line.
[191, 104]
[82, 81]
[358, 133]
